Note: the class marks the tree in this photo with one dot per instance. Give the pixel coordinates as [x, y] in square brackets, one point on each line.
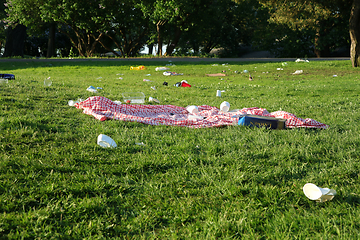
[317, 14]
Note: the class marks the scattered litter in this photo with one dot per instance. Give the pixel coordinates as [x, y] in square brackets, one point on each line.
[192, 109]
[120, 78]
[279, 69]
[225, 106]
[245, 71]
[318, 194]
[106, 141]
[222, 90]
[92, 89]
[236, 72]
[148, 74]
[71, 103]
[151, 99]
[141, 144]
[170, 64]
[225, 64]
[165, 83]
[215, 65]
[218, 93]
[47, 82]
[262, 121]
[334, 75]
[161, 68]
[134, 97]
[250, 77]
[284, 64]
[147, 80]
[223, 71]
[7, 76]
[301, 60]
[298, 72]
[183, 83]
[99, 88]
[167, 73]
[216, 75]
[153, 88]
[138, 68]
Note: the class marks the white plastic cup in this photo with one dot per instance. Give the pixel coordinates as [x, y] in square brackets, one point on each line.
[218, 93]
[225, 106]
[318, 194]
[106, 141]
[192, 109]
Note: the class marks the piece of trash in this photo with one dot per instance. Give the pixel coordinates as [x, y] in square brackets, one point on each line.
[222, 90]
[47, 82]
[117, 102]
[140, 144]
[134, 97]
[165, 83]
[3, 81]
[245, 71]
[138, 68]
[153, 88]
[216, 75]
[184, 83]
[119, 74]
[215, 65]
[92, 89]
[148, 74]
[223, 71]
[151, 99]
[99, 88]
[262, 121]
[161, 68]
[120, 78]
[167, 73]
[279, 69]
[250, 77]
[170, 64]
[147, 80]
[71, 103]
[192, 109]
[334, 75]
[218, 93]
[7, 76]
[225, 106]
[224, 64]
[298, 72]
[106, 141]
[301, 60]
[318, 194]
[236, 71]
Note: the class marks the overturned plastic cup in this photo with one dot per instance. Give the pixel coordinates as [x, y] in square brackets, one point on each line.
[318, 194]
[192, 109]
[106, 141]
[225, 106]
[218, 93]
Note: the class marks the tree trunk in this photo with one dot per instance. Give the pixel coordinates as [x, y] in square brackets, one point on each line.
[159, 53]
[15, 41]
[172, 46]
[51, 41]
[354, 29]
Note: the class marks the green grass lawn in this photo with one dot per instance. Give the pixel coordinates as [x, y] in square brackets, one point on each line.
[183, 183]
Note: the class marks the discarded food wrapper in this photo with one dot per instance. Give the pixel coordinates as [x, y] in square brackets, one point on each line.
[161, 68]
[298, 72]
[140, 144]
[147, 80]
[134, 97]
[106, 141]
[284, 64]
[192, 109]
[151, 99]
[301, 60]
[153, 88]
[334, 75]
[262, 121]
[167, 73]
[138, 68]
[92, 89]
[318, 194]
[165, 83]
[225, 106]
[7, 76]
[279, 69]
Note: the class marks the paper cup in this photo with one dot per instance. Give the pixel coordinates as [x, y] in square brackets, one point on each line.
[318, 194]
[224, 106]
[192, 109]
[218, 93]
[106, 141]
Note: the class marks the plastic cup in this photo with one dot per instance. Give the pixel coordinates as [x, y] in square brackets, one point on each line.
[318, 194]
[47, 82]
[192, 109]
[106, 141]
[225, 106]
[218, 93]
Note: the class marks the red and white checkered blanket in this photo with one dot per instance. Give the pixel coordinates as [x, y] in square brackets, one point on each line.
[102, 108]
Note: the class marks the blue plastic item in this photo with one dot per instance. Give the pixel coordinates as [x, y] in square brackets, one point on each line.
[260, 121]
[7, 76]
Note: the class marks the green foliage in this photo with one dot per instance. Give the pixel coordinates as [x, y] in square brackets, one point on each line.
[217, 183]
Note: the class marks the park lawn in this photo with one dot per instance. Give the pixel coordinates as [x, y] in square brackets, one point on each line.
[183, 183]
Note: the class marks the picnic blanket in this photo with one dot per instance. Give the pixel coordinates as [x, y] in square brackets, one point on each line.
[103, 108]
